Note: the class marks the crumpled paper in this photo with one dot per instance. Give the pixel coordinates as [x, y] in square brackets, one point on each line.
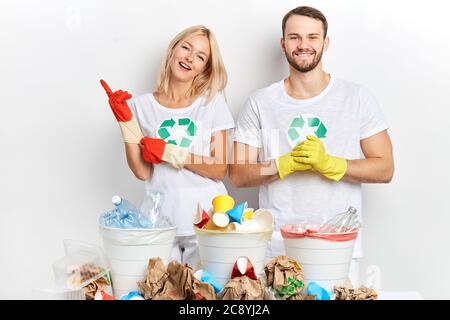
[300, 297]
[243, 288]
[271, 294]
[155, 279]
[182, 285]
[285, 275]
[363, 293]
[177, 282]
[98, 285]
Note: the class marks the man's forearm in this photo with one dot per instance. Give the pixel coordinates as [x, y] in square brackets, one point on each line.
[370, 170]
[253, 174]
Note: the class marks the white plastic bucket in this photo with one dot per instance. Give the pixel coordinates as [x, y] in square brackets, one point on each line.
[324, 261]
[128, 252]
[220, 250]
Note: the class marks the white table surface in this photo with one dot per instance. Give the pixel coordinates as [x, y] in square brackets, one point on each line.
[399, 295]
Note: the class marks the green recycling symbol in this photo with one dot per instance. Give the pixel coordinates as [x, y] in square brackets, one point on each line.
[179, 132]
[305, 125]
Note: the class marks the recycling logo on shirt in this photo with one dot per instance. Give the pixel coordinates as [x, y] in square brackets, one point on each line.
[305, 125]
[179, 132]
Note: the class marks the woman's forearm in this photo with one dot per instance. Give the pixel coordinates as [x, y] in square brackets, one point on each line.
[209, 167]
[141, 169]
[216, 166]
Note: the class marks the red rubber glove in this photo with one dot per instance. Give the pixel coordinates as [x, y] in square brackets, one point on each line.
[131, 132]
[153, 149]
[157, 150]
[118, 103]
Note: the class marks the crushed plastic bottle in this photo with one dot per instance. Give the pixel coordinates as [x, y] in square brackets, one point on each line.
[124, 215]
[110, 219]
[151, 207]
[342, 222]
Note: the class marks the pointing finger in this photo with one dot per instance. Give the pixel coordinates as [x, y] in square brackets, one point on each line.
[106, 87]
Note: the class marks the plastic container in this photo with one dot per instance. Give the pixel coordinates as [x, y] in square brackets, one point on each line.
[79, 268]
[220, 250]
[325, 258]
[57, 293]
[128, 252]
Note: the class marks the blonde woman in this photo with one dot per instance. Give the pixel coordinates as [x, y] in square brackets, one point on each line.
[184, 122]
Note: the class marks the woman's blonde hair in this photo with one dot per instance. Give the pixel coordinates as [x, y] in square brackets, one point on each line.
[212, 80]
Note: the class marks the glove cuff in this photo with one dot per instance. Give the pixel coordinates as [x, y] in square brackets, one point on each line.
[283, 166]
[336, 168]
[175, 155]
[131, 132]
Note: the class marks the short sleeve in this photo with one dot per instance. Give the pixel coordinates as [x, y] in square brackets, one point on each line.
[372, 121]
[132, 104]
[222, 118]
[248, 127]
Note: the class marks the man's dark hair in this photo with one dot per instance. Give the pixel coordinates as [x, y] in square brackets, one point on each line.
[307, 12]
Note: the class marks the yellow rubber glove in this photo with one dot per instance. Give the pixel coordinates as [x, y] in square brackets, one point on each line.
[286, 165]
[312, 152]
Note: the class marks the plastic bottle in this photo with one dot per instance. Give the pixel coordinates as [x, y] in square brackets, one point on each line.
[340, 222]
[110, 219]
[151, 208]
[123, 205]
[129, 215]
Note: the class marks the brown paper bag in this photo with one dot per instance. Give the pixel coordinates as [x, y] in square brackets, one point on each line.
[177, 282]
[243, 288]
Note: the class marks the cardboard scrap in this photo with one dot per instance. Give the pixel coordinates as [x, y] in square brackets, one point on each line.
[243, 288]
[362, 293]
[177, 282]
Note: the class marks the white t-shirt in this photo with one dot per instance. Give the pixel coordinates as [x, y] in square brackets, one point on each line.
[190, 127]
[341, 115]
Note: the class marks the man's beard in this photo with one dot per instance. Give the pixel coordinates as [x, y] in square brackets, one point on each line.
[308, 67]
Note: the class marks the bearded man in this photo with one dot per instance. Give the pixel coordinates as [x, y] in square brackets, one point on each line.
[309, 141]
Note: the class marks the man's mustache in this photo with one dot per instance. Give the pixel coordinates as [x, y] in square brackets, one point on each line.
[304, 51]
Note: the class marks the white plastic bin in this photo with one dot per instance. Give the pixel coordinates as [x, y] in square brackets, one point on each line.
[220, 250]
[324, 261]
[128, 252]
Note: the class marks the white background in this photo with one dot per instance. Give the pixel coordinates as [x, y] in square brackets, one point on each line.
[62, 156]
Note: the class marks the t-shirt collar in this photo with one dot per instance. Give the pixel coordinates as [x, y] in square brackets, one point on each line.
[289, 99]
